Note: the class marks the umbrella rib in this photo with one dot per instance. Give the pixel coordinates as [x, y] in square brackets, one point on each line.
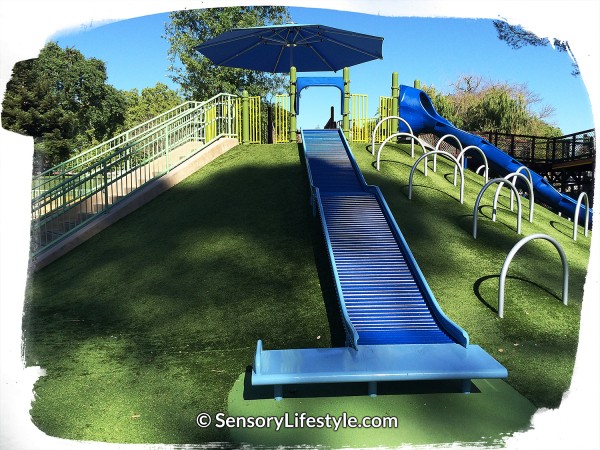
[321, 57]
[278, 58]
[213, 42]
[225, 61]
[352, 47]
[311, 35]
[305, 41]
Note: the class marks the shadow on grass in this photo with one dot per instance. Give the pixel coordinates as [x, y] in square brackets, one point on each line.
[480, 281]
[450, 179]
[483, 214]
[390, 161]
[560, 227]
[173, 297]
[328, 288]
[404, 189]
[323, 390]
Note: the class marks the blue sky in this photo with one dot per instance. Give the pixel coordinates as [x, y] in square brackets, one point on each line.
[436, 51]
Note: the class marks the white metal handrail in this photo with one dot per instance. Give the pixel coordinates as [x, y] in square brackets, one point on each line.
[96, 152]
[76, 198]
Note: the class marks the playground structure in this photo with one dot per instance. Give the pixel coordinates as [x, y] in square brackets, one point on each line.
[69, 196]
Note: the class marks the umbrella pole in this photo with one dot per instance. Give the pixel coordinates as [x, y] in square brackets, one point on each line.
[293, 104]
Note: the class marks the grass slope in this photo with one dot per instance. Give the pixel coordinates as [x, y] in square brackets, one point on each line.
[153, 320]
[150, 322]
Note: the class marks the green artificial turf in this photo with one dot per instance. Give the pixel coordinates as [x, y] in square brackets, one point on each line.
[152, 321]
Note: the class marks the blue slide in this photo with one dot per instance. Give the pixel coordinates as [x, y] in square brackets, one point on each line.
[417, 109]
[395, 329]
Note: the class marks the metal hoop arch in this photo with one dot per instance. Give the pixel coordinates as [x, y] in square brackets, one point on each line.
[512, 253]
[514, 175]
[437, 147]
[460, 159]
[480, 195]
[436, 152]
[582, 196]
[530, 181]
[389, 118]
[396, 135]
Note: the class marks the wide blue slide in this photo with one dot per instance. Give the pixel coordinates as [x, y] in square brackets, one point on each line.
[418, 110]
[395, 329]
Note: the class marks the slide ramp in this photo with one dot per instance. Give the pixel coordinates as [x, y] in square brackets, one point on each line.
[395, 330]
[383, 300]
[384, 296]
[417, 109]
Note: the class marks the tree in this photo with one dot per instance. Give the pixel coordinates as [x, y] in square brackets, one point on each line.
[198, 77]
[517, 37]
[478, 105]
[150, 103]
[62, 100]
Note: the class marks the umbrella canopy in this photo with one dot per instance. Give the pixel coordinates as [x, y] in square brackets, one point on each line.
[309, 48]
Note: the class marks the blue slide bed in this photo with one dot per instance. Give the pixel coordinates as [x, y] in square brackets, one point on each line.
[395, 330]
[418, 110]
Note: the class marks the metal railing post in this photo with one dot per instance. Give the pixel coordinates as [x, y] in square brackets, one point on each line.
[167, 147]
[395, 103]
[346, 113]
[105, 175]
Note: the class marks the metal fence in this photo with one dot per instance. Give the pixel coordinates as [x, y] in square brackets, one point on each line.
[73, 193]
[254, 116]
[281, 119]
[360, 131]
[48, 178]
[535, 149]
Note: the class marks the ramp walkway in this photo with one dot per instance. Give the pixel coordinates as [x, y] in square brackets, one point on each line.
[395, 329]
[69, 197]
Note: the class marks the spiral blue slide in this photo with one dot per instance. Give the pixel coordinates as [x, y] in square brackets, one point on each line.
[417, 109]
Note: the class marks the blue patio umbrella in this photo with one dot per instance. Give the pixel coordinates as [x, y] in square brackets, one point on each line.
[309, 48]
